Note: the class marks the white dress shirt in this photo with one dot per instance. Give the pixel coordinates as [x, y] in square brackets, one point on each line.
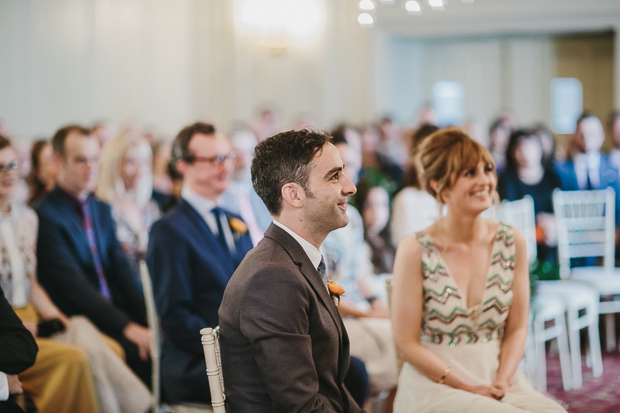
[204, 206]
[311, 251]
[4, 387]
[588, 164]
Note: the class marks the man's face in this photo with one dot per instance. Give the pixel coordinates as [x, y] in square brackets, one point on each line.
[79, 166]
[209, 173]
[590, 134]
[328, 191]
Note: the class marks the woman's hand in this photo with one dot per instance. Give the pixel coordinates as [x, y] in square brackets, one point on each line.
[488, 391]
[501, 384]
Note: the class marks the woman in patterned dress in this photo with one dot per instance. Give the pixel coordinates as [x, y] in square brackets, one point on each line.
[461, 294]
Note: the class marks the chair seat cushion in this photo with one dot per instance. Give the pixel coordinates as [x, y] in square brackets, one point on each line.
[604, 282]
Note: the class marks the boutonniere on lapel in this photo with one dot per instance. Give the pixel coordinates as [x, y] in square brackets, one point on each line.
[238, 226]
[335, 291]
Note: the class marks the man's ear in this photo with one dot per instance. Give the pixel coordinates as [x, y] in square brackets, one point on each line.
[181, 166]
[293, 194]
[57, 159]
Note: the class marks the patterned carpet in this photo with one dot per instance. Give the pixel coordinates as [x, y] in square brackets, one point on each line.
[598, 395]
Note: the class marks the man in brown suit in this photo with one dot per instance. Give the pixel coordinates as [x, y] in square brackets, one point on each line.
[284, 347]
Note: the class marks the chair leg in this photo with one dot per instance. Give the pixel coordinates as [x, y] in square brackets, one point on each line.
[541, 367]
[595, 349]
[565, 365]
[610, 332]
[575, 347]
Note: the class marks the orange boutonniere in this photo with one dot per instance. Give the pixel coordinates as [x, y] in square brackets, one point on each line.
[335, 291]
[238, 226]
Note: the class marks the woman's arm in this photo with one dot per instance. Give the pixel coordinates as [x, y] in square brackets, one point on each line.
[44, 306]
[407, 308]
[515, 333]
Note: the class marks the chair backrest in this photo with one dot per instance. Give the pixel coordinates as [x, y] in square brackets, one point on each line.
[153, 323]
[520, 214]
[211, 346]
[586, 224]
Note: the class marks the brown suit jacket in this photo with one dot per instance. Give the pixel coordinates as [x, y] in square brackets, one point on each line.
[283, 345]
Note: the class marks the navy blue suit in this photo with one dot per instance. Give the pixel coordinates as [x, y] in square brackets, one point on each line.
[66, 269]
[608, 178]
[190, 271]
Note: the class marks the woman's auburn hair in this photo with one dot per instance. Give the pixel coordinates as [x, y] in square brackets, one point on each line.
[445, 155]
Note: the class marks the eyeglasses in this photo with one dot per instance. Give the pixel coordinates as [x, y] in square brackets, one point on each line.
[214, 160]
[6, 167]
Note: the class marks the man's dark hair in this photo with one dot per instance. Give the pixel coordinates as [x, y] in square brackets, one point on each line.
[284, 158]
[180, 146]
[4, 142]
[60, 137]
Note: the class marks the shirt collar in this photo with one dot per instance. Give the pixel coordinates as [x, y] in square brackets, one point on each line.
[199, 203]
[311, 251]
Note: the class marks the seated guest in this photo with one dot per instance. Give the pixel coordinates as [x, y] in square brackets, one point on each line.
[192, 253]
[374, 205]
[126, 183]
[162, 181]
[19, 351]
[60, 380]
[240, 198]
[413, 208]
[589, 168]
[42, 177]
[614, 134]
[460, 321]
[81, 263]
[525, 174]
[284, 347]
[499, 134]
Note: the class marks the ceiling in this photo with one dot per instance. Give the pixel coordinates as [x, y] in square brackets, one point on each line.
[499, 17]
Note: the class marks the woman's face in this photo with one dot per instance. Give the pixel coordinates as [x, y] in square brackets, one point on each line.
[47, 168]
[473, 189]
[8, 172]
[133, 168]
[376, 212]
[528, 153]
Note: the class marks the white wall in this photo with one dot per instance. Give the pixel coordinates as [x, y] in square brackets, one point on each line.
[166, 63]
[497, 73]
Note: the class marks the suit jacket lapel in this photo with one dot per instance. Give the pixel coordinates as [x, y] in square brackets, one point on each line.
[197, 223]
[300, 258]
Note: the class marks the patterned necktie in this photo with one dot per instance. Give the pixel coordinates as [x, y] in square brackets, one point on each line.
[321, 270]
[90, 235]
[217, 213]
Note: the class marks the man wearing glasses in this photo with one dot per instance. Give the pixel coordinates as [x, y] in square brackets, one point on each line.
[192, 253]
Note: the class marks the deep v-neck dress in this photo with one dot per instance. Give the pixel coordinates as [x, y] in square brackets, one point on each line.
[468, 339]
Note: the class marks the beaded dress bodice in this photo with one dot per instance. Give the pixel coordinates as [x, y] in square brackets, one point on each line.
[446, 318]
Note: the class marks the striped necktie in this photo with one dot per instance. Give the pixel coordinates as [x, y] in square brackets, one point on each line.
[90, 235]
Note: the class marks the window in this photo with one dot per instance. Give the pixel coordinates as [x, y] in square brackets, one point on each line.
[566, 104]
[449, 103]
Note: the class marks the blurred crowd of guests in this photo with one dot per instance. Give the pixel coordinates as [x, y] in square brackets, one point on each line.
[98, 192]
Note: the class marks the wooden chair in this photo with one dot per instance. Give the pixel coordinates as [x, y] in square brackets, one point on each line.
[211, 345]
[155, 339]
[549, 305]
[586, 225]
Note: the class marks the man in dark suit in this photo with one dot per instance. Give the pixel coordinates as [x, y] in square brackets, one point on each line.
[80, 261]
[18, 351]
[283, 344]
[192, 253]
[589, 169]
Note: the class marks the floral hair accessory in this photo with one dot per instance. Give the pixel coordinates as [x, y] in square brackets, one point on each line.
[238, 225]
[335, 291]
